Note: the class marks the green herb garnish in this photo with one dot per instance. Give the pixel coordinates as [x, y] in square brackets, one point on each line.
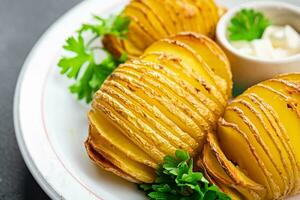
[176, 181]
[82, 66]
[247, 24]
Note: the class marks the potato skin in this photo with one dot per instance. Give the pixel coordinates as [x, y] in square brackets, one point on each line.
[259, 135]
[153, 19]
[155, 104]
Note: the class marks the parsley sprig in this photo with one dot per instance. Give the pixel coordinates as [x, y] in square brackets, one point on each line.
[247, 24]
[177, 181]
[82, 65]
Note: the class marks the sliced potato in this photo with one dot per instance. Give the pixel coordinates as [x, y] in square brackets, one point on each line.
[258, 133]
[261, 142]
[102, 162]
[120, 160]
[163, 101]
[153, 111]
[153, 19]
[191, 60]
[166, 77]
[214, 168]
[140, 12]
[106, 131]
[194, 84]
[161, 15]
[277, 151]
[162, 133]
[214, 57]
[286, 111]
[229, 134]
[167, 104]
[292, 77]
[234, 172]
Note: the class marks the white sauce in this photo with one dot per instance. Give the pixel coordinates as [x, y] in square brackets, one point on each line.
[277, 42]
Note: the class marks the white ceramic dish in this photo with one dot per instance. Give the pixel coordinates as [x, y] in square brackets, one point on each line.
[248, 70]
[51, 125]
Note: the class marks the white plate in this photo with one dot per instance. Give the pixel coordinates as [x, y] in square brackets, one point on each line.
[51, 125]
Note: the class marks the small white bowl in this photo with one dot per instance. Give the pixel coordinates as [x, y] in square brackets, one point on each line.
[249, 70]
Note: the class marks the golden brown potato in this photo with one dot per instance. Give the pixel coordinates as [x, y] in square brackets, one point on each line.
[152, 20]
[153, 105]
[259, 133]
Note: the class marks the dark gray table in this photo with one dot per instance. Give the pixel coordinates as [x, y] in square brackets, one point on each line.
[21, 24]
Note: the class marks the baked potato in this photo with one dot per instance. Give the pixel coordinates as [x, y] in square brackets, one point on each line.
[167, 99]
[152, 20]
[258, 138]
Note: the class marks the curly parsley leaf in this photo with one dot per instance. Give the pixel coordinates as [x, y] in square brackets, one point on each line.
[247, 24]
[81, 66]
[176, 180]
[114, 25]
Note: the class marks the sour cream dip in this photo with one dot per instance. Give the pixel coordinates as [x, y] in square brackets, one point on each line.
[277, 42]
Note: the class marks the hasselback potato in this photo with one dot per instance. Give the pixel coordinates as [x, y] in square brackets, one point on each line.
[169, 98]
[255, 153]
[152, 20]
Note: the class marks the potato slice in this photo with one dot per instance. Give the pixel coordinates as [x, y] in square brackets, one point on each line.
[291, 108]
[219, 82]
[162, 103]
[190, 59]
[281, 132]
[280, 155]
[139, 35]
[161, 14]
[287, 113]
[159, 129]
[189, 91]
[234, 172]
[170, 16]
[118, 46]
[155, 22]
[228, 134]
[213, 9]
[207, 16]
[260, 140]
[284, 87]
[140, 12]
[106, 131]
[155, 80]
[236, 115]
[161, 74]
[145, 130]
[189, 15]
[120, 160]
[102, 162]
[153, 111]
[194, 84]
[168, 104]
[211, 54]
[200, 26]
[173, 10]
[293, 77]
[125, 124]
[214, 168]
[195, 17]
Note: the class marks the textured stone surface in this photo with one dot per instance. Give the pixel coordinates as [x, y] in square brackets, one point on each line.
[22, 22]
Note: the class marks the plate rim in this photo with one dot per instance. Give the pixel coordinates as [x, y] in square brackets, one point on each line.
[29, 162]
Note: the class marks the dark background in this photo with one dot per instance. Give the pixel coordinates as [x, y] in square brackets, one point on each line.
[22, 22]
